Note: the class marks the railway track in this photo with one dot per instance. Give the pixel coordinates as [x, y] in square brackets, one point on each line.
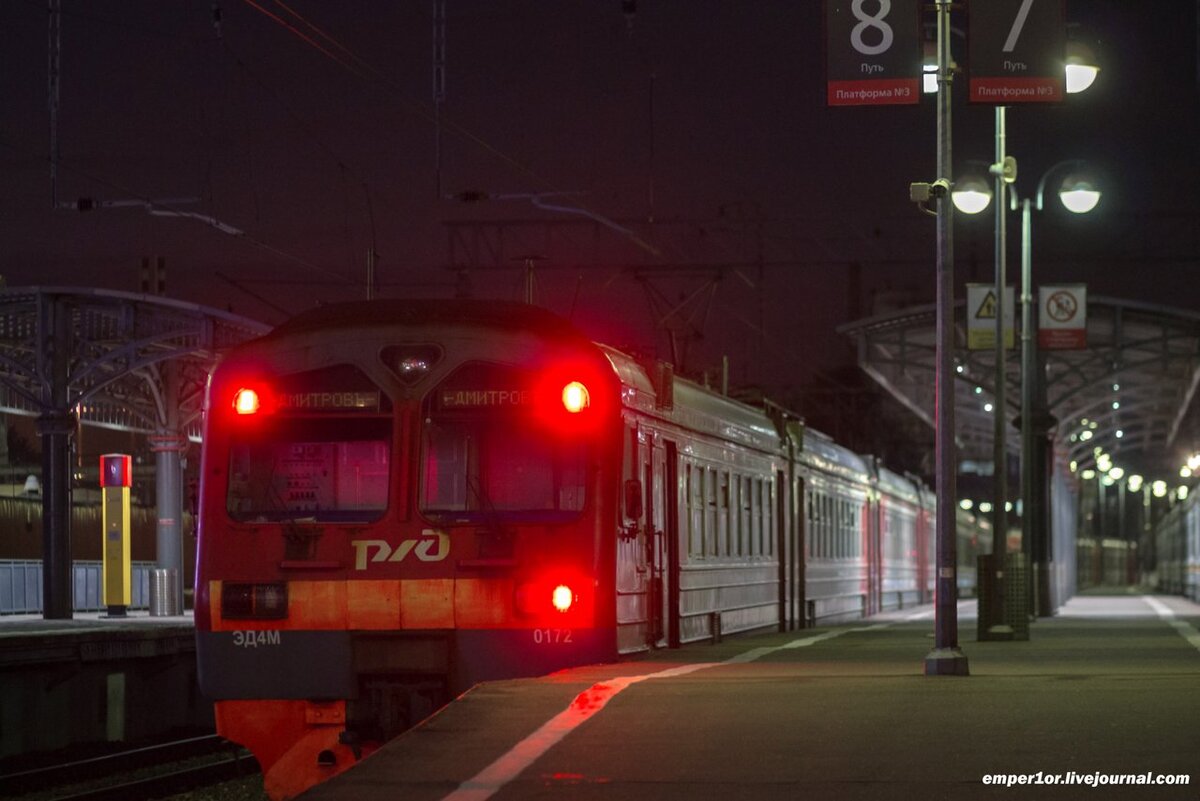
[137, 774]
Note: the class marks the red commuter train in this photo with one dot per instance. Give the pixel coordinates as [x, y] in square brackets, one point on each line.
[402, 498]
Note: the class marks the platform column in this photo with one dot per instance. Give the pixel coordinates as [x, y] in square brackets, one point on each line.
[55, 430]
[169, 447]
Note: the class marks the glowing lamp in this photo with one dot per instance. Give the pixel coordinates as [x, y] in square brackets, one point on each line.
[1081, 68]
[971, 194]
[246, 401]
[575, 397]
[562, 597]
[1078, 194]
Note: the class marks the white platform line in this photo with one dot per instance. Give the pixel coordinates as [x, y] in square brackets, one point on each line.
[1185, 629]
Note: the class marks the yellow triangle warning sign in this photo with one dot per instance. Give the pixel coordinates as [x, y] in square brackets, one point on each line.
[987, 309]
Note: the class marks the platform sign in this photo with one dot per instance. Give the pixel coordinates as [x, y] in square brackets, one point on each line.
[981, 317]
[1016, 51]
[1062, 317]
[872, 52]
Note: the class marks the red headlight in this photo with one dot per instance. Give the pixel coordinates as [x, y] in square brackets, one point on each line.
[575, 397]
[246, 401]
[562, 597]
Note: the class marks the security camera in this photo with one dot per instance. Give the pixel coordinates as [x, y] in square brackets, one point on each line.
[923, 192]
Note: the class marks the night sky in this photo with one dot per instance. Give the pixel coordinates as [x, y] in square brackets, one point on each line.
[700, 127]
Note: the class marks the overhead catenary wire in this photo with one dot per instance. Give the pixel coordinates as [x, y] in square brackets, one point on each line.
[360, 67]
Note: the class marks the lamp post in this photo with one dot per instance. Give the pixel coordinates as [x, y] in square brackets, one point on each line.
[1079, 196]
[946, 658]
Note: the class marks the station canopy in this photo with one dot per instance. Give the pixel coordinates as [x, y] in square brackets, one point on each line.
[1130, 392]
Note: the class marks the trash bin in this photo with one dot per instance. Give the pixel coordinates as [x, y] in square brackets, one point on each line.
[164, 592]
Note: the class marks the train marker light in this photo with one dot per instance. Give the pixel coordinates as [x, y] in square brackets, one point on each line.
[246, 401]
[575, 397]
[562, 597]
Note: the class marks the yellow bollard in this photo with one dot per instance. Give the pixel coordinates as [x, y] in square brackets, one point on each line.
[116, 472]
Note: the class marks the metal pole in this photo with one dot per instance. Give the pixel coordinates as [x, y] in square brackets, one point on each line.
[997, 628]
[1000, 419]
[1029, 505]
[946, 658]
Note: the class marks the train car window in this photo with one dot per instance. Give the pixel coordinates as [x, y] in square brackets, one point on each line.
[743, 516]
[330, 469]
[694, 518]
[769, 515]
[709, 512]
[723, 547]
[844, 529]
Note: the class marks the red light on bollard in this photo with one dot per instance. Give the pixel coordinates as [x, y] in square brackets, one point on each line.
[116, 470]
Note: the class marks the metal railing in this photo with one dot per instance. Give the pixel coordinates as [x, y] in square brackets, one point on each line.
[21, 586]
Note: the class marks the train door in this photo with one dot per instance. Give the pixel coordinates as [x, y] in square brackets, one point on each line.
[799, 553]
[662, 527]
[874, 531]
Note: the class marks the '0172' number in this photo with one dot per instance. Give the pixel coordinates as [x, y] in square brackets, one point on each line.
[551, 636]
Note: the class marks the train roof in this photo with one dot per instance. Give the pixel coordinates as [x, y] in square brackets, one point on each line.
[821, 452]
[693, 406]
[895, 484]
[448, 312]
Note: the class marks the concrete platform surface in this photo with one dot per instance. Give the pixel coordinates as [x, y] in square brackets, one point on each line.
[1106, 691]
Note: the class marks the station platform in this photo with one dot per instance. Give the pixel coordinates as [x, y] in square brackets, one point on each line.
[1102, 702]
[95, 679]
[90, 636]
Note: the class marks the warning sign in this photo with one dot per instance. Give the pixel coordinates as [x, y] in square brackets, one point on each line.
[1062, 317]
[981, 317]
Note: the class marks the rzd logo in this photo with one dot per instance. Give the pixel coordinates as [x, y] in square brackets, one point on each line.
[433, 546]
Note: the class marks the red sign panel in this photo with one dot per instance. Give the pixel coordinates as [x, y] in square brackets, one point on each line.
[116, 470]
[873, 52]
[1062, 318]
[1016, 51]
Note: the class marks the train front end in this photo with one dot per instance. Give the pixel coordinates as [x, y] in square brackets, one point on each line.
[395, 506]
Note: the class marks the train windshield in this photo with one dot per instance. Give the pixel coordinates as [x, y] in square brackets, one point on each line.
[486, 458]
[321, 454]
[327, 470]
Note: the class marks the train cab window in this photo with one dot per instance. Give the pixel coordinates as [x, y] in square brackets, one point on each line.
[324, 469]
[320, 451]
[486, 457]
[476, 470]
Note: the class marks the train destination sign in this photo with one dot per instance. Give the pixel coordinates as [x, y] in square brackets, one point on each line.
[873, 52]
[485, 398]
[329, 401]
[1016, 50]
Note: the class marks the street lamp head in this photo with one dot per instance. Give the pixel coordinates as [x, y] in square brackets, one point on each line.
[1079, 194]
[971, 194]
[1081, 67]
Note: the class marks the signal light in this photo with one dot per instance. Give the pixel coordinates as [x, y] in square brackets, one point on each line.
[575, 397]
[562, 597]
[246, 401]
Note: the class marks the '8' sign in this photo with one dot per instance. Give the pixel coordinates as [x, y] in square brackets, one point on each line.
[873, 51]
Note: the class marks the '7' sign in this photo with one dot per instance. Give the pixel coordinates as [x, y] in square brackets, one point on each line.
[1016, 51]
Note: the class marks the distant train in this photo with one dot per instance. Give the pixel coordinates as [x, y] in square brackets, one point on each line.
[399, 499]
